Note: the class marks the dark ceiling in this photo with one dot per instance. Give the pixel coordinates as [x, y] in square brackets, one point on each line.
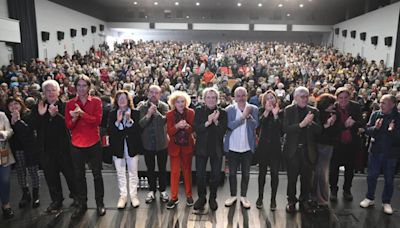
[251, 11]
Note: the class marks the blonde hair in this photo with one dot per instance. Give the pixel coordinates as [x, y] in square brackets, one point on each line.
[210, 89]
[175, 95]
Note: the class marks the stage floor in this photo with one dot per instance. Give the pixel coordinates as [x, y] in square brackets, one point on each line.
[343, 214]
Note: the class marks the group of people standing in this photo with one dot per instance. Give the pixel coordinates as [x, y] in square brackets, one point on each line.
[314, 142]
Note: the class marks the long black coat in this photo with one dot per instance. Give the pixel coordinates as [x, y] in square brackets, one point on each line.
[200, 118]
[131, 134]
[269, 143]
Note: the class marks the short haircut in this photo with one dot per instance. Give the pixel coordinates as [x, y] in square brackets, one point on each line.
[301, 90]
[175, 95]
[325, 100]
[155, 87]
[83, 78]
[51, 82]
[240, 88]
[210, 89]
[342, 90]
[389, 97]
[128, 97]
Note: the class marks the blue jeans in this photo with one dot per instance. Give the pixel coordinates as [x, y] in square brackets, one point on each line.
[376, 162]
[5, 184]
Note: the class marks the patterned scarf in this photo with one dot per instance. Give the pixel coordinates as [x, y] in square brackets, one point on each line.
[181, 137]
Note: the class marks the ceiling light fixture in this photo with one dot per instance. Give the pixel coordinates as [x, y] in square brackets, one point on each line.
[301, 5]
[134, 3]
[187, 17]
[155, 3]
[177, 3]
[259, 4]
[239, 4]
[288, 15]
[197, 3]
[280, 5]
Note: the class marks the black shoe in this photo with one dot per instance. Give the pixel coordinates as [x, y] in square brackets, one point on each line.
[172, 203]
[305, 206]
[189, 201]
[79, 212]
[35, 198]
[101, 210]
[333, 196]
[54, 207]
[259, 203]
[26, 198]
[291, 207]
[8, 213]
[273, 205]
[213, 204]
[347, 196]
[199, 204]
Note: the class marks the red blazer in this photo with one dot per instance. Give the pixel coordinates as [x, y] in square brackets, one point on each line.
[173, 149]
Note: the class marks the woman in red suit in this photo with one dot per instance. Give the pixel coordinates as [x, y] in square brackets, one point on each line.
[181, 144]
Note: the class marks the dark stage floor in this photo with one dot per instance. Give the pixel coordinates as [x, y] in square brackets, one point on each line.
[343, 214]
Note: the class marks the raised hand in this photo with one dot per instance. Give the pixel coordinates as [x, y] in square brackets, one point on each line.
[128, 115]
[392, 126]
[119, 116]
[349, 122]
[53, 110]
[378, 123]
[42, 108]
[276, 110]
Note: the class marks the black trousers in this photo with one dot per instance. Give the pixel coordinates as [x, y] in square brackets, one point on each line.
[93, 156]
[274, 171]
[201, 173]
[53, 165]
[299, 164]
[236, 159]
[343, 154]
[150, 159]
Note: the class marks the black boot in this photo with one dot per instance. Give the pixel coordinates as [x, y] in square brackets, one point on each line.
[26, 198]
[35, 197]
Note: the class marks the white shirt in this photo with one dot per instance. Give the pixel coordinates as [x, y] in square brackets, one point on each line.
[238, 141]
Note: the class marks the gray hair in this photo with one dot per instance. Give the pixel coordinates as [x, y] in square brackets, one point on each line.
[240, 88]
[51, 82]
[301, 90]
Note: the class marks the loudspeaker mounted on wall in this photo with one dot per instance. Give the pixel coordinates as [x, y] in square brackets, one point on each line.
[93, 28]
[45, 36]
[363, 36]
[388, 41]
[374, 40]
[337, 31]
[251, 27]
[73, 32]
[101, 27]
[60, 35]
[344, 33]
[84, 31]
[353, 34]
[190, 26]
[152, 25]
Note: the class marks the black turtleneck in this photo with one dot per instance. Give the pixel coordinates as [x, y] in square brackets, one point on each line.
[303, 135]
[212, 132]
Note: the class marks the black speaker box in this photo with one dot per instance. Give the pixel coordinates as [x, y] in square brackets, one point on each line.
[353, 34]
[45, 36]
[60, 35]
[344, 33]
[363, 36]
[388, 41]
[101, 27]
[84, 31]
[337, 31]
[93, 29]
[374, 40]
[73, 32]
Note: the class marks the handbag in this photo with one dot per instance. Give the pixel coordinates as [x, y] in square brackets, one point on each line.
[4, 153]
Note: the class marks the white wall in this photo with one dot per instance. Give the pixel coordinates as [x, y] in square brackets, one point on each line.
[52, 17]
[382, 22]
[5, 51]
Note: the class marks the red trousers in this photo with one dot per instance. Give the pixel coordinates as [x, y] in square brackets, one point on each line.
[181, 162]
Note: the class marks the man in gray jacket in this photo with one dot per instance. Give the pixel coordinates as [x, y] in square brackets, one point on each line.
[155, 142]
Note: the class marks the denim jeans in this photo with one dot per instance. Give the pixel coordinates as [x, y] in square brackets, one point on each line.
[234, 160]
[376, 162]
[5, 184]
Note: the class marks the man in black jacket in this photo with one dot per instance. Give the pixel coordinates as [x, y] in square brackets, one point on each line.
[210, 123]
[54, 144]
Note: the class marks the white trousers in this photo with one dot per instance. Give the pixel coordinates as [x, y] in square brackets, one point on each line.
[120, 166]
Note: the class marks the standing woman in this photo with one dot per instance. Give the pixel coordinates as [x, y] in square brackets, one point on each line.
[269, 146]
[23, 144]
[181, 144]
[123, 126]
[325, 142]
[6, 160]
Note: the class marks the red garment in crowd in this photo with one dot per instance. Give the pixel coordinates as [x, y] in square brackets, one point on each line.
[208, 76]
[85, 132]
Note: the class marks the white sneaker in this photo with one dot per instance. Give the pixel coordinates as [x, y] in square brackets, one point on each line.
[164, 197]
[245, 202]
[150, 197]
[230, 201]
[135, 201]
[387, 208]
[366, 203]
[121, 202]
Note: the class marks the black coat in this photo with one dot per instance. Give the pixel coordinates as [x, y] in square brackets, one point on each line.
[269, 143]
[354, 110]
[131, 134]
[200, 118]
[24, 138]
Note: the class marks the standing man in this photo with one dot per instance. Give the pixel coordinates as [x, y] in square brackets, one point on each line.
[83, 118]
[301, 125]
[240, 143]
[210, 124]
[54, 143]
[349, 120]
[384, 151]
[155, 142]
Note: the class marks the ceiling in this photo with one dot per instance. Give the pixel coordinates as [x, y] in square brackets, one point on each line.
[250, 11]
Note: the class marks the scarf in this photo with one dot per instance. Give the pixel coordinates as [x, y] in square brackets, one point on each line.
[181, 137]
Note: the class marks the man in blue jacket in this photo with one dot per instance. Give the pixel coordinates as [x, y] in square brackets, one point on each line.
[384, 151]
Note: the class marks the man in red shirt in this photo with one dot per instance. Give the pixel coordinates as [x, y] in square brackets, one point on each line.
[83, 117]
